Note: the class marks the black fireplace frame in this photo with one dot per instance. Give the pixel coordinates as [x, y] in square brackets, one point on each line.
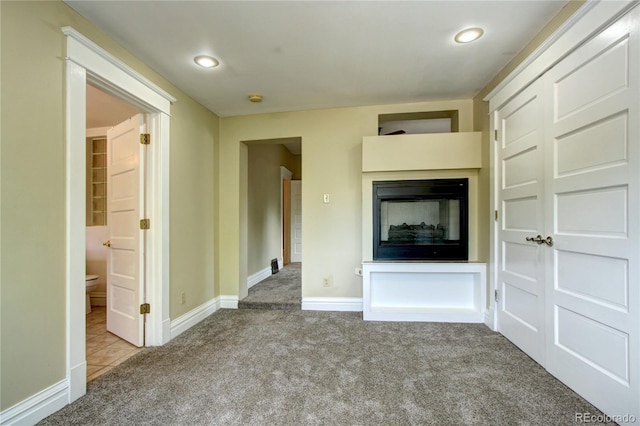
[417, 190]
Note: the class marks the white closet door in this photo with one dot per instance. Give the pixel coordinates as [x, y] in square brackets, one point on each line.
[592, 214]
[125, 193]
[521, 186]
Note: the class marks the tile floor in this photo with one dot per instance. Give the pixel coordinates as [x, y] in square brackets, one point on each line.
[104, 350]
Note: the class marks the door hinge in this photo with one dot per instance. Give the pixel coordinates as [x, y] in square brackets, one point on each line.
[145, 223]
[496, 214]
[495, 295]
[145, 138]
[145, 308]
[495, 134]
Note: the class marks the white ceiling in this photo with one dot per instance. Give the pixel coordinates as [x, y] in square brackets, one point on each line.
[320, 54]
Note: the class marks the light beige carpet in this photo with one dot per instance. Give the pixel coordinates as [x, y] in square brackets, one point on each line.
[274, 367]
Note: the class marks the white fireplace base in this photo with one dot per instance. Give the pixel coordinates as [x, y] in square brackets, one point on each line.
[412, 291]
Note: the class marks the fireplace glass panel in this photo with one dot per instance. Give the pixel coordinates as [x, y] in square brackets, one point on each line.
[420, 222]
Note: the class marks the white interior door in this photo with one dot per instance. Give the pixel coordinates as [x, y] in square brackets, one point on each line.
[521, 184]
[125, 206]
[296, 221]
[592, 214]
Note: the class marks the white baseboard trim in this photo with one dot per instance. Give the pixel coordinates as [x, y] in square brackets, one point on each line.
[229, 302]
[166, 331]
[258, 276]
[77, 381]
[351, 304]
[194, 316]
[35, 408]
[489, 319]
[98, 298]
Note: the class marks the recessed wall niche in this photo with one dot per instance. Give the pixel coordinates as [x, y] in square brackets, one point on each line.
[418, 122]
[96, 182]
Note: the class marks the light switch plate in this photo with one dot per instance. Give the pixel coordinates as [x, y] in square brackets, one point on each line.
[325, 198]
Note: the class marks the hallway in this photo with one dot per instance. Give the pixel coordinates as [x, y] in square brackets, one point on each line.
[282, 290]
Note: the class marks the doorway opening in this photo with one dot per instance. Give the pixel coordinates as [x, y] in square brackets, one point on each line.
[88, 63]
[273, 223]
[106, 347]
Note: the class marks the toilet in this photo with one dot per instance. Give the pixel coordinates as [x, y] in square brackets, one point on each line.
[92, 284]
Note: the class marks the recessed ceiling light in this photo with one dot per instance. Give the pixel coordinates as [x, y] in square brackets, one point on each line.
[468, 35]
[206, 61]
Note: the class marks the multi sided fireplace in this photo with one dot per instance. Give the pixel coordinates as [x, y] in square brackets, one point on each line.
[420, 220]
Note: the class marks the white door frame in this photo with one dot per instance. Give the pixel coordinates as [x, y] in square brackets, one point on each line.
[87, 62]
[288, 175]
[298, 185]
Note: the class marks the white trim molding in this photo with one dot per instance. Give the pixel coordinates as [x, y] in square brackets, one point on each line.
[194, 316]
[347, 304]
[89, 55]
[490, 320]
[228, 302]
[37, 407]
[259, 276]
[75, 174]
[87, 62]
[158, 237]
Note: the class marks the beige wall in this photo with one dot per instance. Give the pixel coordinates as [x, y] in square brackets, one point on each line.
[32, 262]
[194, 134]
[331, 163]
[263, 203]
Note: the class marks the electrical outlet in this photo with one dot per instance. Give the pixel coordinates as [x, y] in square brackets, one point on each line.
[326, 282]
[183, 298]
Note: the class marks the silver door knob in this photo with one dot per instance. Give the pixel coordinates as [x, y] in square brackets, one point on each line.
[539, 240]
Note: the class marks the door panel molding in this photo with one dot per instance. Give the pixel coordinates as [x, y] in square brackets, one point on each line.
[520, 309]
[592, 213]
[125, 207]
[589, 168]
